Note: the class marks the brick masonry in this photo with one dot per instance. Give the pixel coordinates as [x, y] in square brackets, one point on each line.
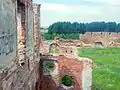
[18, 67]
[108, 39]
[19, 53]
[74, 67]
[90, 39]
[36, 9]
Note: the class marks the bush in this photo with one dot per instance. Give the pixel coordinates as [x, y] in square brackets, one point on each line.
[67, 80]
[49, 66]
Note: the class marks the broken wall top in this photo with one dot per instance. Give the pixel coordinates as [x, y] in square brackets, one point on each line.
[36, 8]
[26, 2]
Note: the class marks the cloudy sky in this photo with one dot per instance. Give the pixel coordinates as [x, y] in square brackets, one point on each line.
[78, 10]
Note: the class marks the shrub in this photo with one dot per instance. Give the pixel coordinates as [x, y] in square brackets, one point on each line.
[49, 66]
[67, 80]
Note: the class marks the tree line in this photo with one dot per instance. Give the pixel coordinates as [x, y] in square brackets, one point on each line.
[75, 27]
[48, 36]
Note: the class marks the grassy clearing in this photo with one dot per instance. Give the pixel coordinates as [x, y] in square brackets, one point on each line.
[106, 69]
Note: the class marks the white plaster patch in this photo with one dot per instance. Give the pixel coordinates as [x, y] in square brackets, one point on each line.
[87, 76]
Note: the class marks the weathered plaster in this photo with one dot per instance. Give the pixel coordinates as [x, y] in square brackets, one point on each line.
[8, 32]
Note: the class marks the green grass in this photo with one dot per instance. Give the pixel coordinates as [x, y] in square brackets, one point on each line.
[106, 68]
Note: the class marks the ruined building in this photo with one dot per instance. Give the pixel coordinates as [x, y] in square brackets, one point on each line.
[22, 67]
[19, 44]
[92, 39]
[64, 56]
[79, 68]
[101, 39]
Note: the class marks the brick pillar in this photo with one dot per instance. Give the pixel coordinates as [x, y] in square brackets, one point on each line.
[36, 9]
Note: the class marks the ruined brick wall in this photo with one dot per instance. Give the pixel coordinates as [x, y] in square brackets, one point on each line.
[64, 48]
[63, 42]
[71, 67]
[21, 14]
[17, 43]
[79, 68]
[93, 39]
[68, 51]
[105, 37]
[28, 72]
[36, 9]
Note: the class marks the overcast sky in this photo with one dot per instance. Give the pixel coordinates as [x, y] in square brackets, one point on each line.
[78, 10]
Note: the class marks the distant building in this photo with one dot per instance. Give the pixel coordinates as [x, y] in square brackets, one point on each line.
[101, 39]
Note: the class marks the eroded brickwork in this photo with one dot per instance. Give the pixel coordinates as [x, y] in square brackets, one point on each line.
[69, 63]
[20, 71]
[107, 39]
[36, 9]
[78, 68]
[90, 39]
[21, 14]
[22, 41]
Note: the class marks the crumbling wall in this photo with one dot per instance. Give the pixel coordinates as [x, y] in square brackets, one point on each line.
[104, 37]
[68, 51]
[17, 43]
[8, 33]
[36, 9]
[79, 68]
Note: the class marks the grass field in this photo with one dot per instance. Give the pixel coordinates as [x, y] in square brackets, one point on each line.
[106, 69]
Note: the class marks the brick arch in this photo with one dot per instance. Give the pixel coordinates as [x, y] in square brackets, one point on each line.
[99, 44]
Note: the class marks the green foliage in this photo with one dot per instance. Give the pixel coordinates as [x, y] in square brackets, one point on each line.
[106, 67]
[67, 80]
[69, 28]
[54, 51]
[48, 66]
[66, 28]
[48, 36]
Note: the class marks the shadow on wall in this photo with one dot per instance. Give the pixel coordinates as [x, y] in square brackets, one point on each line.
[98, 45]
[53, 82]
[45, 82]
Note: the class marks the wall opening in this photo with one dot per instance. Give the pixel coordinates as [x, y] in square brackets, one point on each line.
[54, 48]
[50, 67]
[99, 45]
